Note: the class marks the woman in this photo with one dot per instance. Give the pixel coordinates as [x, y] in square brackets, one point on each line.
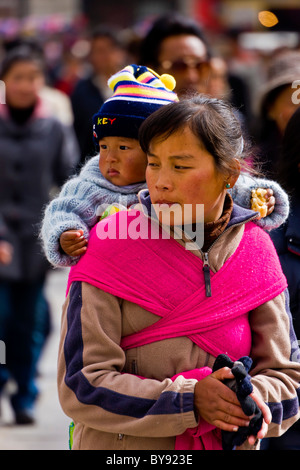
[37, 153]
[147, 312]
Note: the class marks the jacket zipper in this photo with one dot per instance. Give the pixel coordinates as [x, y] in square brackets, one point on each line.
[206, 270]
[206, 267]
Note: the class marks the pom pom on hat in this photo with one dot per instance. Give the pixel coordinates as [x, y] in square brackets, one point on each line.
[138, 92]
[168, 80]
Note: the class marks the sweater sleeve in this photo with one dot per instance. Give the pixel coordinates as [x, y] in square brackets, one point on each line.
[82, 199]
[93, 387]
[74, 208]
[276, 362]
[241, 194]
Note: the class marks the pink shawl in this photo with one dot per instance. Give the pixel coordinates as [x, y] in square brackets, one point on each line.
[160, 275]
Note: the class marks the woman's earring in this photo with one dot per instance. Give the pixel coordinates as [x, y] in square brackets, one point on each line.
[227, 185]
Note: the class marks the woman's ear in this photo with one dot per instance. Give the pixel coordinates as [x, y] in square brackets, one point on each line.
[235, 172]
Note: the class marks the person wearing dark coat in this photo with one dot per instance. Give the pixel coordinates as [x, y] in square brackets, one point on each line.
[287, 243]
[107, 56]
[37, 153]
[277, 102]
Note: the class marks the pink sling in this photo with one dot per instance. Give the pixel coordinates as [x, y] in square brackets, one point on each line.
[160, 275]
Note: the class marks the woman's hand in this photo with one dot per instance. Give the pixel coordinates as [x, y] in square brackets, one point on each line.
[73, 242]
[266, 415]
[270, 201]
[217, 404]
[263, 201]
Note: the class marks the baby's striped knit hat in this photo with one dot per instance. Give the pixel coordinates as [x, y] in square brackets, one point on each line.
[138, 92]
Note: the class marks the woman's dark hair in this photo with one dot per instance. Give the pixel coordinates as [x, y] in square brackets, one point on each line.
[21, 53]
[164, 27]
[288, 169]
[211, 120]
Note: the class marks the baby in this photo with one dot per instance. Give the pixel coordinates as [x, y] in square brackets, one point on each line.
[117, 174]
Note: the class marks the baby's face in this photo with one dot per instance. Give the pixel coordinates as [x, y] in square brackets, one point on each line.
[122, 161]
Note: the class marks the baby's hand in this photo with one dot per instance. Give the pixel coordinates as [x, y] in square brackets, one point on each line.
[73, 242]
[262, 201]
[6, 252]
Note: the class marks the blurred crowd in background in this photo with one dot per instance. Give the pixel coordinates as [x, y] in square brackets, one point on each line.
[70, 63]
[80, 53]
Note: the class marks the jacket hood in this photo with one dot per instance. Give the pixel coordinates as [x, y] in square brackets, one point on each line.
[292, 229]
[239, 214]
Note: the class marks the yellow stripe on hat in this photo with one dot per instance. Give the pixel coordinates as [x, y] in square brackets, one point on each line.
[133, 90]
[148, 78]
[123, 75]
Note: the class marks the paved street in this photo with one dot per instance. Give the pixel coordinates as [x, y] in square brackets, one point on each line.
[51, 429]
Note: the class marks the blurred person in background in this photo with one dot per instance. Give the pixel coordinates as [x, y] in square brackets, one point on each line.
[177, 45]
[107, 56]
[55, 101]
[287, 242]
[218, 85]
[277, 103]
[37, 153]
[71, 72]
[58, 104]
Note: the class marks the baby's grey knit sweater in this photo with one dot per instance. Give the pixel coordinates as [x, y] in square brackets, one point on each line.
[84, 197]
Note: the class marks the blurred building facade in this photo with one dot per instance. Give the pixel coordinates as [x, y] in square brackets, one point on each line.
[22, 8]
[214, 15]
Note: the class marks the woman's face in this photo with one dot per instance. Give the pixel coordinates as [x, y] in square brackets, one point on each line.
[23, 82]
[180, 171]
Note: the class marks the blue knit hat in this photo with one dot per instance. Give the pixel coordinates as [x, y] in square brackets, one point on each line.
[138, 92]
